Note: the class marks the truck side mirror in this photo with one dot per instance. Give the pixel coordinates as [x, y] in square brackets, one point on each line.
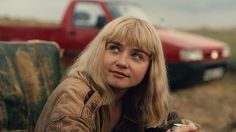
[101, 22]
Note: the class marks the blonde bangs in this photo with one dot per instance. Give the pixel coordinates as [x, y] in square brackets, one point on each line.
[136, 33]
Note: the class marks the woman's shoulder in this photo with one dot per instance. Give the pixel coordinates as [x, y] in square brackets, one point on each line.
[75, 87]
[69, 100]
[69, 97]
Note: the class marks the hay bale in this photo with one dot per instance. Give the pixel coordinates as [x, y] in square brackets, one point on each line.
[29, 71]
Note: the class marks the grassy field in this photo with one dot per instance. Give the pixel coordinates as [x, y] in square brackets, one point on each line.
[211, 104]
[29, 22]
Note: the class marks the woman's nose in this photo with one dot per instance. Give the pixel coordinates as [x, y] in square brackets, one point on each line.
[122, 60]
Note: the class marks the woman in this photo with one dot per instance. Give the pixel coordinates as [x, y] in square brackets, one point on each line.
[118, 83]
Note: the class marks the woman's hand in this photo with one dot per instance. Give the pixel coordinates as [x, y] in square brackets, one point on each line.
[184, 128]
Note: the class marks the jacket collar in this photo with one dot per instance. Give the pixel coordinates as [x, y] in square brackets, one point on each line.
[94, 101]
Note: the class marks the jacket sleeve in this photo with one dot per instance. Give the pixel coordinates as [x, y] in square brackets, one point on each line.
[69, 124]
[173, 118]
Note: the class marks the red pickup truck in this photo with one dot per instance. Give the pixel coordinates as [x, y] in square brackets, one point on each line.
[189, 57]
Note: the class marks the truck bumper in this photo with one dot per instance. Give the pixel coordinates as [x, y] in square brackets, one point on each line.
[198, 72]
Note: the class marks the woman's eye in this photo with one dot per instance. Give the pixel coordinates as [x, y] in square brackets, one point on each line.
[113, 48]
[137, 56]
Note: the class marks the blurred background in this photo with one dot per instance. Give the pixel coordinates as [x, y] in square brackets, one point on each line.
[210, 104]
[175, 13]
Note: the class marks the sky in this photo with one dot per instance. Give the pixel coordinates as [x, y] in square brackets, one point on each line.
[175, 13]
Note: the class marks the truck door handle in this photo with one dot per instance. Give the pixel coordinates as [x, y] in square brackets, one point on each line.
[72, 33]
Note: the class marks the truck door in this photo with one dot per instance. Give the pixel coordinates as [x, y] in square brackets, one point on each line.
[86, 22]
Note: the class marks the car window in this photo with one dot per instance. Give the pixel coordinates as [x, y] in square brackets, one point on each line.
[86, 14]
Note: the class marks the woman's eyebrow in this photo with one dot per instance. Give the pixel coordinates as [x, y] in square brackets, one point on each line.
[115, 42]
[140, 50]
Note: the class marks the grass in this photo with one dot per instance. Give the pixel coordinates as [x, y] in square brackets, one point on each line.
[211, 104]
[28, 22]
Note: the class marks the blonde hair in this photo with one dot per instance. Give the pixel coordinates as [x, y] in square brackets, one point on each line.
[140, 33]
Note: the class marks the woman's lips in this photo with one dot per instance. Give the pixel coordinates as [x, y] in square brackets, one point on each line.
[119, 74]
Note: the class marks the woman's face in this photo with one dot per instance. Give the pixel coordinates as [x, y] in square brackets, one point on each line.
[124, 65]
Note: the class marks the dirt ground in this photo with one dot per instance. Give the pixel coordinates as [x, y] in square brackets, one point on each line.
[211, 104]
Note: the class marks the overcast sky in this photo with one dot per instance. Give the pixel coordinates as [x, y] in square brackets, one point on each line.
[176, 13]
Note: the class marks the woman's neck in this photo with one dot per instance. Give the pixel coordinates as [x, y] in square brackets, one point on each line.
[115, 108]
[119, 93]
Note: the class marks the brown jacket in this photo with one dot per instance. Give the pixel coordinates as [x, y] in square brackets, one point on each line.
[74, 106]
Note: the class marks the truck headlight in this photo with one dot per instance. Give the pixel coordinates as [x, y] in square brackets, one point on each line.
[191, 55]
[226, 52]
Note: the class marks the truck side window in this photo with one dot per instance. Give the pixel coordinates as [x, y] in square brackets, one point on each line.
[87, 14]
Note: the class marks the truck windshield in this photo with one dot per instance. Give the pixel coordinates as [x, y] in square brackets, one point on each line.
[127, 9]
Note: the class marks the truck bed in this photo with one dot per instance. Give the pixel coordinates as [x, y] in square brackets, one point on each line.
[24, 32]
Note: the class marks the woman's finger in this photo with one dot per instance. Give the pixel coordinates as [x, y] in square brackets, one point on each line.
[183, 128]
